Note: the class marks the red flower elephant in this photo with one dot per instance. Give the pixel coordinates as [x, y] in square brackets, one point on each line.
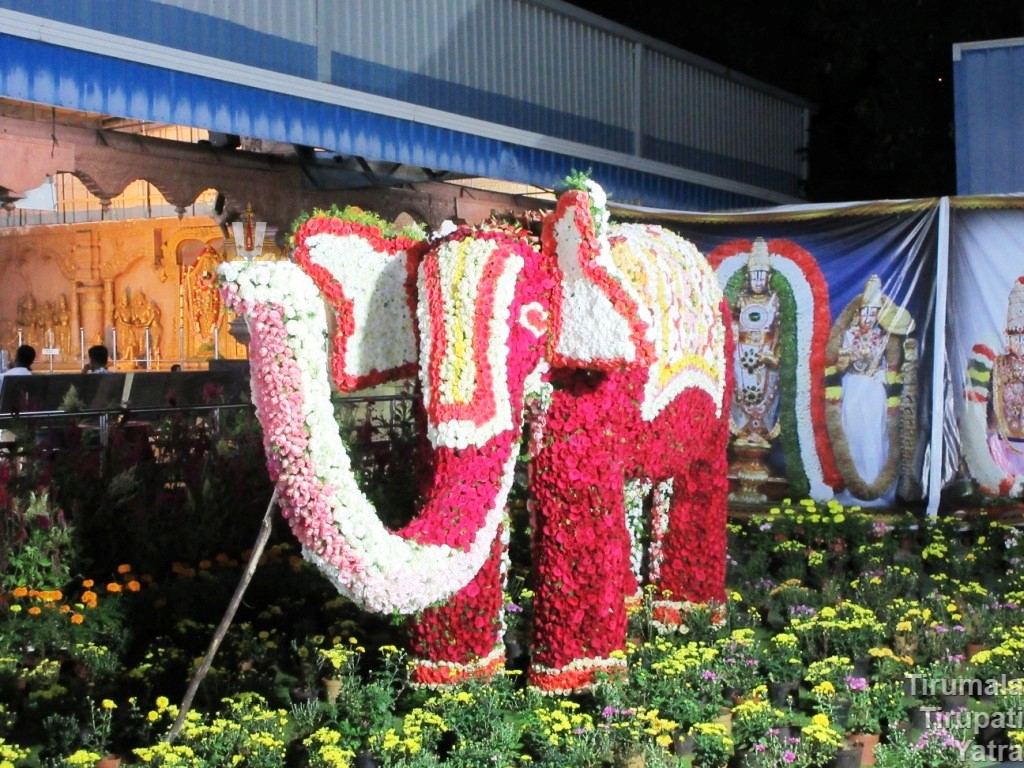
[617, 338]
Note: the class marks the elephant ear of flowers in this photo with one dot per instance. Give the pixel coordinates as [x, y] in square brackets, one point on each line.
[370, 281]
[627, 299]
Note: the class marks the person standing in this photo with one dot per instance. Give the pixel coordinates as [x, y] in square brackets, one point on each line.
[24, 356]
[865, 354]
[98, 357]
[1006, 431]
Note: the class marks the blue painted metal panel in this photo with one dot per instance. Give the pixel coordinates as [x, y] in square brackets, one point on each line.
[179, 28]
[988, 98]
[451, 97]
[39, 72]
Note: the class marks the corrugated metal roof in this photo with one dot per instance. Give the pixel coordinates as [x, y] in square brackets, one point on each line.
[516, 90]
[988, 98]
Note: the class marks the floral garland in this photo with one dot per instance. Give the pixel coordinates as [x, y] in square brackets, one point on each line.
[973, 428]
[642, 541]
[859, 487]
[796, 277]
[634, 493]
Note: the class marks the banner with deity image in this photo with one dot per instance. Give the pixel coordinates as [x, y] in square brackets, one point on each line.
[832, 313]
[984, 439]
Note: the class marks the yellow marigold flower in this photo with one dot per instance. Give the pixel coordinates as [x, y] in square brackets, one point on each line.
[162, 702]
[108, 704]
[821, 720]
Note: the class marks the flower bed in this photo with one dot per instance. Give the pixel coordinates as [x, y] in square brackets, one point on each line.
[878, 627]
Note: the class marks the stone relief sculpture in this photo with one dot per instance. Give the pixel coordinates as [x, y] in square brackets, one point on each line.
[133, 317]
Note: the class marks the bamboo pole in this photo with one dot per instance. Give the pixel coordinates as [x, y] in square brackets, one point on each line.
[225, 622]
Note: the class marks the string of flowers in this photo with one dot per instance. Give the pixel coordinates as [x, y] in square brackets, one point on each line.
[973, 428]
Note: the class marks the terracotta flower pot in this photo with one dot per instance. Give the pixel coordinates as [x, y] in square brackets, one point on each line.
[109, 761]
[867, 742]
[332, 688]
[847, 758]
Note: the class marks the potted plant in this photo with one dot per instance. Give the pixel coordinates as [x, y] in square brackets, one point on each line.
[783, 666]
[820, 742]
[751, 719]
[712, 745]
[863, 725]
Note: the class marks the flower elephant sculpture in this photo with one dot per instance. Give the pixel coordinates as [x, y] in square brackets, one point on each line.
[615, 335]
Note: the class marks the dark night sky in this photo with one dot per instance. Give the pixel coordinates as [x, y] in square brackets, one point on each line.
[878, 71]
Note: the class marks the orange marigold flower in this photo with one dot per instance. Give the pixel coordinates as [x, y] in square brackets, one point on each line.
[77, 618]
[35, 610]
[133, 586]
[20, 592]
[65, 608]
[204, 564]
[89, 598]
[33, 593]
[124, 568]
[88, 583]
[51, 595]
[112, 587]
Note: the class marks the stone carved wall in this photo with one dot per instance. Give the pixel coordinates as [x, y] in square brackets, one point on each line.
[70, 286]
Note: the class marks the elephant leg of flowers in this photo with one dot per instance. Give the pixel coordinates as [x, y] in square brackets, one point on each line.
[595, 437]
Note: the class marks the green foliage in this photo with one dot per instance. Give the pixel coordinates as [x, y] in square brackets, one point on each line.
[36, 545]
[575, 180]
[359, 216]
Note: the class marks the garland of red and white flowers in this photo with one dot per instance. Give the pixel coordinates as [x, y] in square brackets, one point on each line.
[806, 399]
[336, 525]
[650, 544]
[991, 478]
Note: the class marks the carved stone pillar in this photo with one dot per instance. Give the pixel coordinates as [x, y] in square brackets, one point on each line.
[94, 315]
[109, 321]
[75, 325]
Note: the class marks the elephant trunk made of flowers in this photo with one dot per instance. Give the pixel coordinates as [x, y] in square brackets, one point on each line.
[615, 336]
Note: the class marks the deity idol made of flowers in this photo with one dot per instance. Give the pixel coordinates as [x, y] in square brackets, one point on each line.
[865, 357]
[614, 337]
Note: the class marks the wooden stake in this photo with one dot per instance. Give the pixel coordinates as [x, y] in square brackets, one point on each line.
[225, 623]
